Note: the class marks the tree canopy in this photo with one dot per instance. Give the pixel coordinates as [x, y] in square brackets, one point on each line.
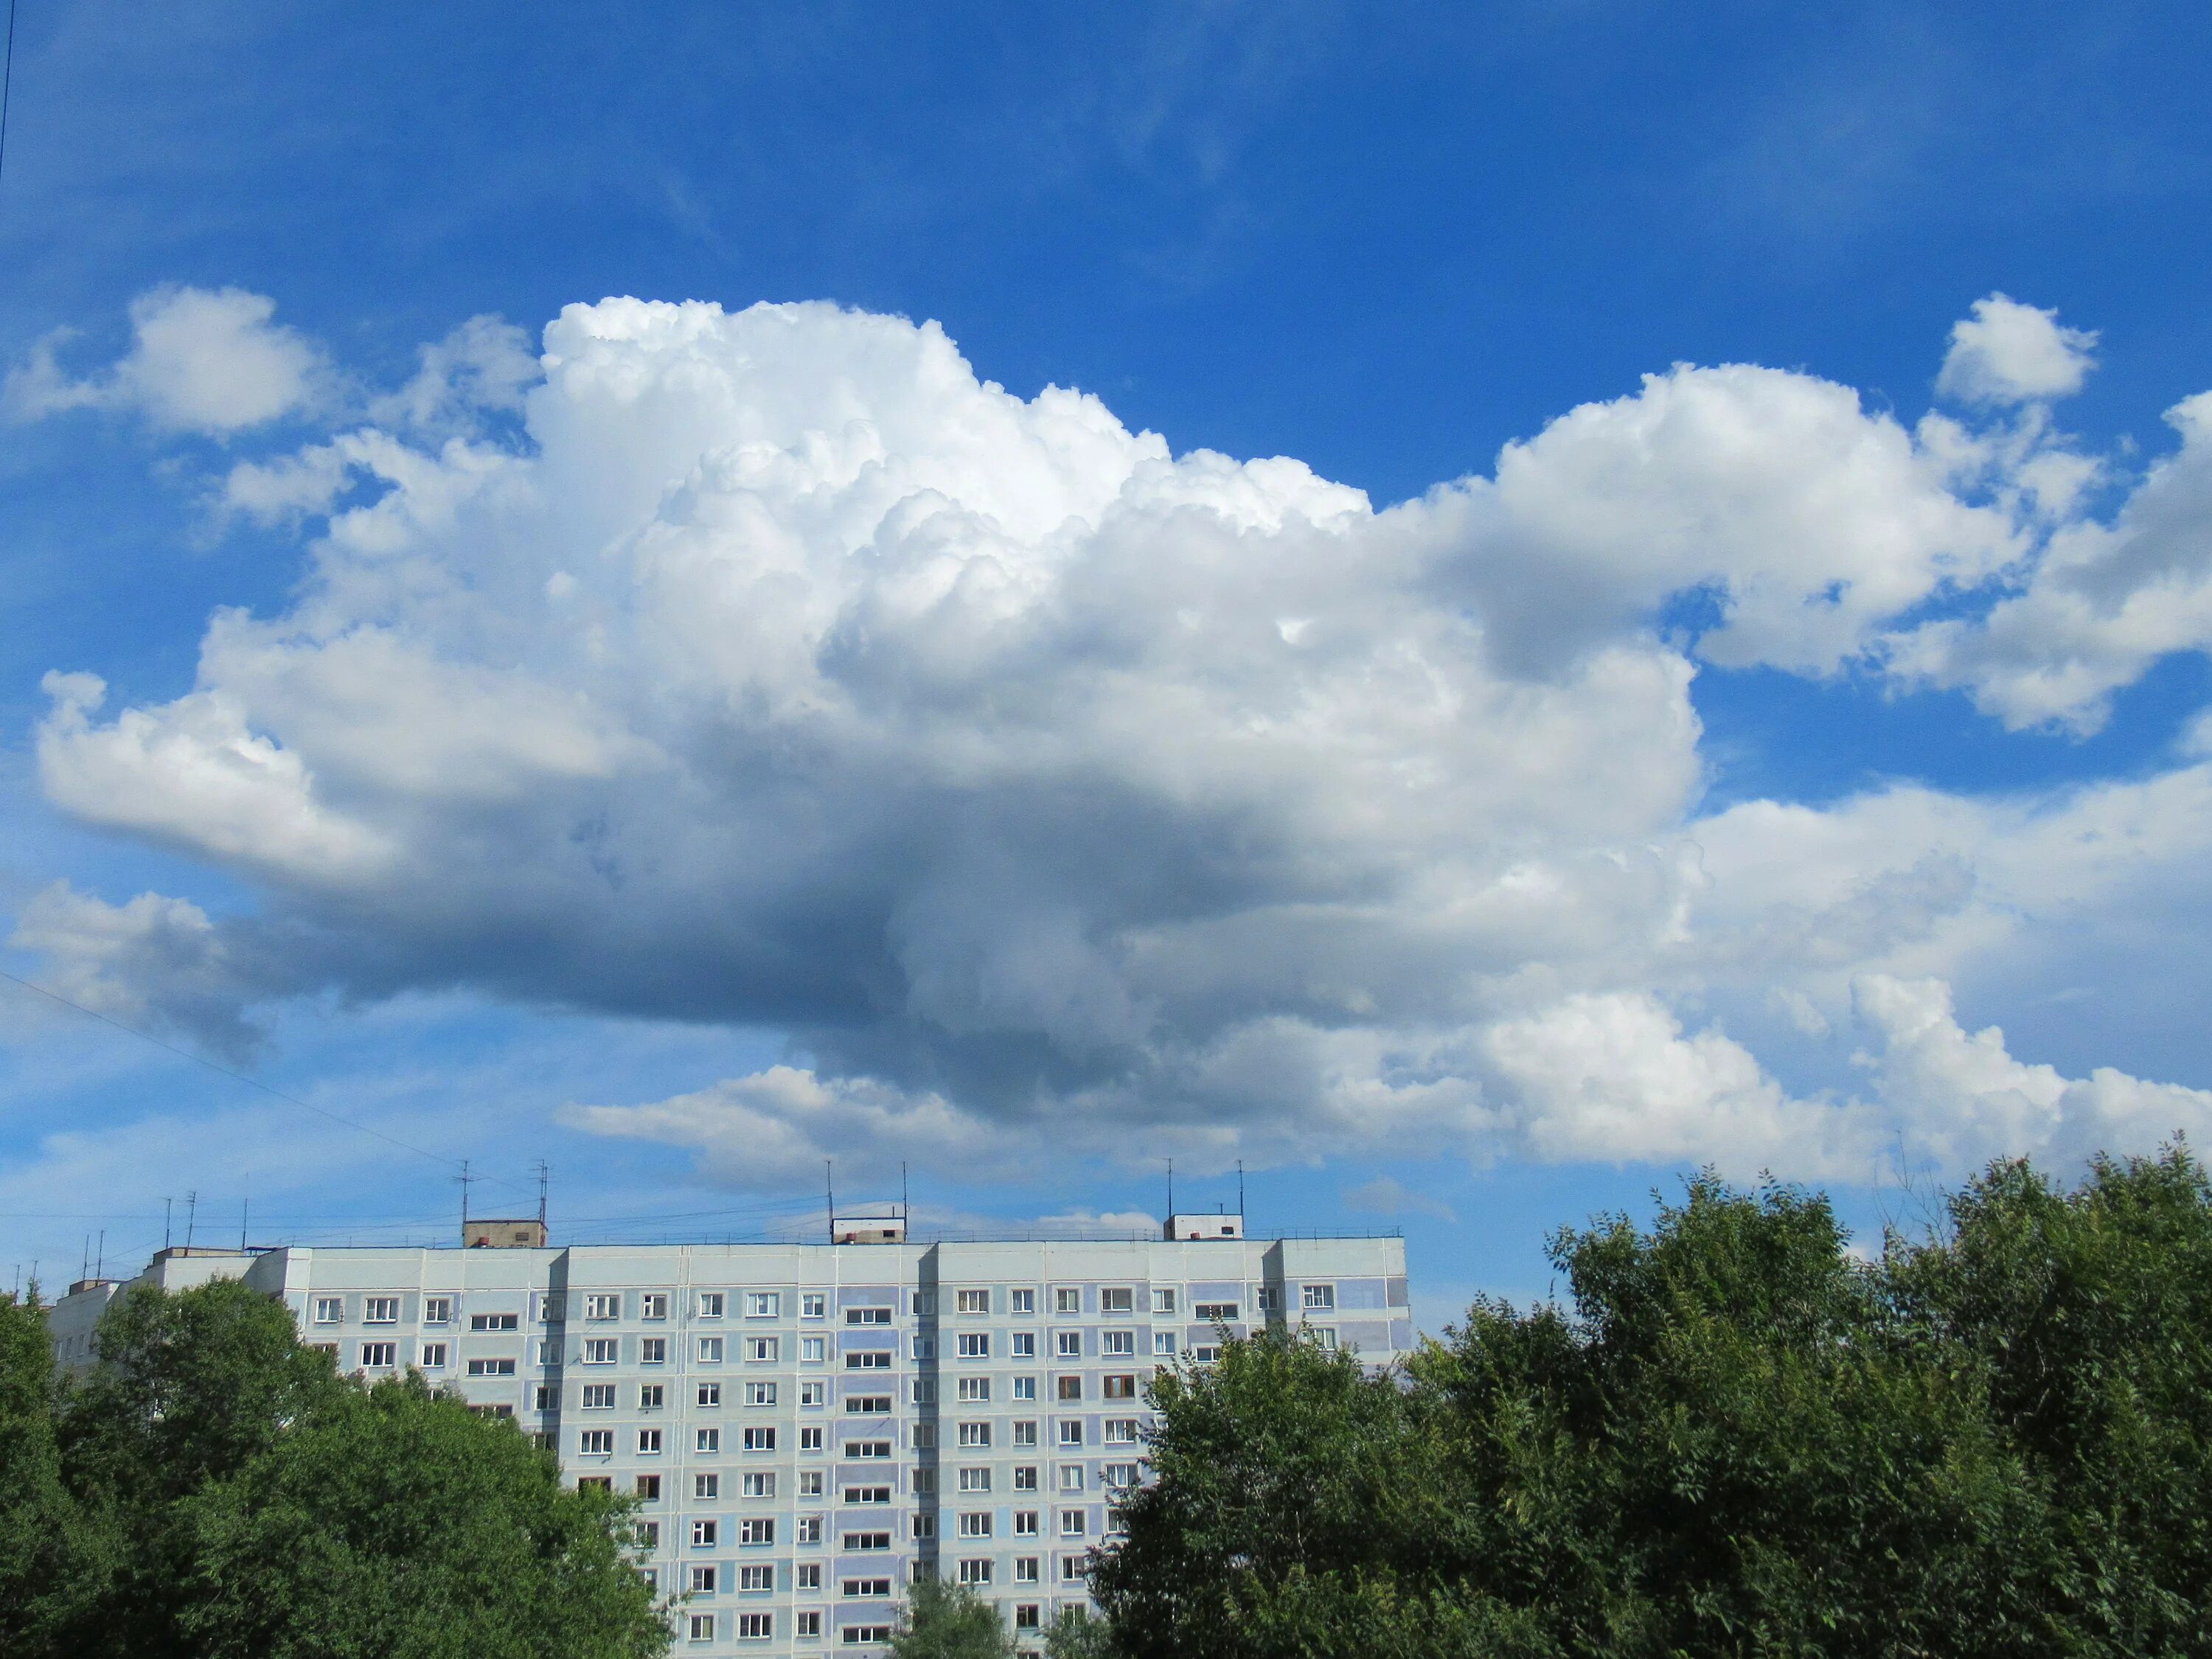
[1737, 1439]
[213, 1489]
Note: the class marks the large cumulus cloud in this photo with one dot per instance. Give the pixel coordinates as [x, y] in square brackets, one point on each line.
[1051, 788]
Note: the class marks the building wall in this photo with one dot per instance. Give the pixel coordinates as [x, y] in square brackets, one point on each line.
[830, 1419]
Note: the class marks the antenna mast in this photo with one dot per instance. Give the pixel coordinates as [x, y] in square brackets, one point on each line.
[1171, 1189]
[1240, 1187]
[830, 1197]
[168, 1209]
[191, 1211]
[465, 1203]
[543, 1173]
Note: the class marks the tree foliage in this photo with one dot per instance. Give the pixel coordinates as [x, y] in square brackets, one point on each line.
[948, 1621]
[214, 1490]
[1739, 1438]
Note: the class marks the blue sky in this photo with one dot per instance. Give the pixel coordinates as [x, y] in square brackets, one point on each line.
[526, 767]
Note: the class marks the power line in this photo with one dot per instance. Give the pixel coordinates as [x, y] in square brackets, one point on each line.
[7, 81]
[250, 1082]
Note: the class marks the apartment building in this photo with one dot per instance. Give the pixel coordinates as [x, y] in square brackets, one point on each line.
[813, 1426]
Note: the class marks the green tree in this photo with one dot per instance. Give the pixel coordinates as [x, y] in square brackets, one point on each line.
[50, 1563]
[394, 1524]
[949, 1621]
[1076, 1635]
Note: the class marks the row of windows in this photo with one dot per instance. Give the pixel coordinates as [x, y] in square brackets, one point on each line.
[707, 1486]
[970, 1437]
[806, 1625]
[606, 1305]
[653, 1351]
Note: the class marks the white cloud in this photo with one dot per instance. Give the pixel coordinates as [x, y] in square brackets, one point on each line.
[2009, 353]
[153, 959]
[1058, 794]
[201, 360]
[1386, 1196]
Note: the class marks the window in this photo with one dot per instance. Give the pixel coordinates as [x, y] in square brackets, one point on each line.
[648, 1489]
[1324, 1335]
[867, 1404]
[760, 1485]
[1025, 1571]
[491, 1368]
[975, 1345]
[854, 1636]
[495, 1322]
[810, 1528]
[867, 1494]
[760, 1440]
[647, 1533]
[1022, 1301]
[702, 1626]
[755, 1626]
[1206, 1354]
[705, 1535]
[1067, 1300]
[855, 1542]
[648, 1442]
[868, 1316]
[1025, 1388]
[379, 1356]
[1164, 1300]
[1071, 1431]
[974, 1573]
[1025, 1615]
[705, 1486]
[759, 1349]
[549, 1350]
[596, 1443]
[599, 1396]
[975, 1434]
[925, 1526]
[922, 1347]
[710, 1304]
[437, 1310]
[975, 1524]
[1071, 1524]
[810, 1483]
[813, 1394]
[653, 1351]
[975, 1302]
[652, 1396]
[434, 1356]
[760, 1393]
[924, 1481]
[545, 1397]
[600, 1350]
[809, 1625]
[810, 1439]
[653, 1304]
[707, 1440]
[1069, 1388]
[1120, 1474]
[603, 1305]
[652, 1577]
[975, 1388]
[1071, 1477]
[856, 1449]
[1270, 1298]
[1163, 1344]
[923, 1435]
[1025, 1478]
[812, 1350]
[1025, 1434]
[1116, 1299]
[1025, 1523]
[1320, 1296]
[710, 1350]
[1215, 1313]
[709, 1394]
[1068, 1345]
[551, 1309]
[380, 1311]
[763, 1304]
[1117, 1342]
[809, 1577]
[868, 1588]
[1023, 1345]
[1121, 1387]
[813, 1305]
[975, 1481]
[923, 1304]
[875, 1360]
[330, 1309]
[703, 1581]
